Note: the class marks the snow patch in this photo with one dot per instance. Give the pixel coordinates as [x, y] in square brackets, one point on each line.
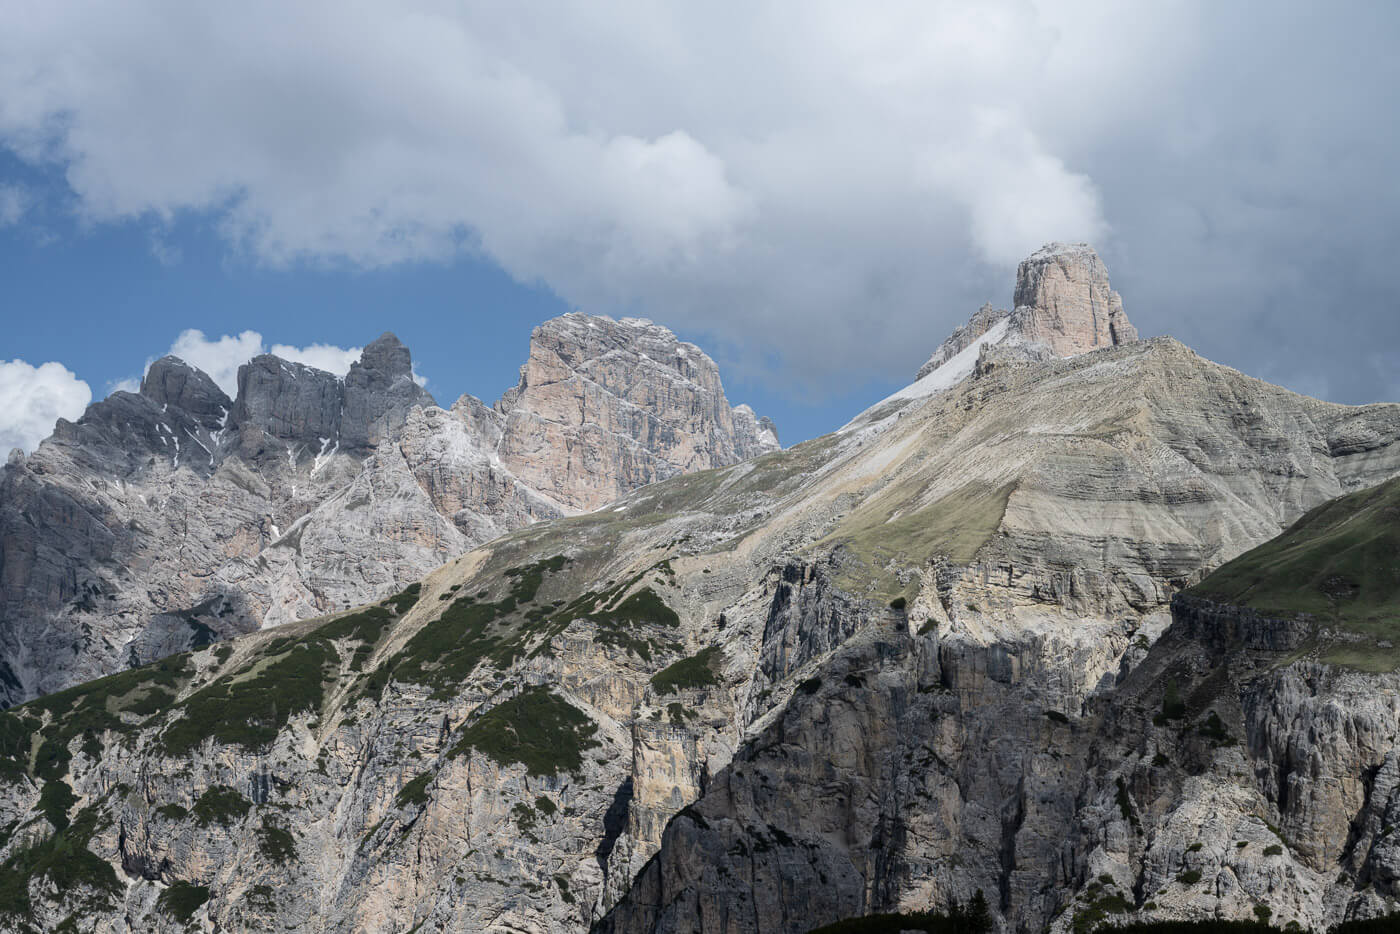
[957, 368]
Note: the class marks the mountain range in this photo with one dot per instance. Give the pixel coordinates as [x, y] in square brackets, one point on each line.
[1078, 627]
[175, 517]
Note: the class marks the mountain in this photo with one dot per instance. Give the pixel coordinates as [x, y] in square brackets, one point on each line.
[949, 648]
[176, 516]
[1063, 304]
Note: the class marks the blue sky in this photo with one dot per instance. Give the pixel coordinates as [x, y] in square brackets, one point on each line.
[815, 193]
[103, 299]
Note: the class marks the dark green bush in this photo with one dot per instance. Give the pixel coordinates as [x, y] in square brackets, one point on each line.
[536, 728]
[182, 900]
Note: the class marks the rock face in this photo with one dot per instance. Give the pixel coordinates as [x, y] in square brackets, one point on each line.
[1063, 305]
[310, 493]
[606, 406]
[877, 671]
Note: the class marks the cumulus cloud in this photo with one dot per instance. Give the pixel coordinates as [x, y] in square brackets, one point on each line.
[824, 185]
[33, 398]
[222, 356]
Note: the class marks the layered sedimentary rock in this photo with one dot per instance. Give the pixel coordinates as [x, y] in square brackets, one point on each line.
[881, 670]
[310, 493]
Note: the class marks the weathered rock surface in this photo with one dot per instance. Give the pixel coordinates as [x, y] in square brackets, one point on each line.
[606, 406]
[1063, 305]
[309, 493]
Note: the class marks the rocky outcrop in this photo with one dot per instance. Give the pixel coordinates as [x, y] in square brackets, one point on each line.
[1063, 300]
[309, 493]
[605, 406]
[1063, 305]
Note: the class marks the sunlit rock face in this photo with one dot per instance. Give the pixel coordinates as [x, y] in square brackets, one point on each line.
[169, 518]
[1063, 305]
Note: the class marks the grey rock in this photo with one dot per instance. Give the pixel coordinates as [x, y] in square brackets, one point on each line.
[307, 494]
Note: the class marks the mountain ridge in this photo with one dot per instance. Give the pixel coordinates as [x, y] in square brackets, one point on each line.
[176, 515]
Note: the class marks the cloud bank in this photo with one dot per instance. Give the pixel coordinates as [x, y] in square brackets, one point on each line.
[824, 188]
[33, 398]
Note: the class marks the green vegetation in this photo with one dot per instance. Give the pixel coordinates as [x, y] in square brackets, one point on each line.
[1214, 729]
[1056, 716]
[885, 529]
[1191, 927]
[1090, 916]
[693, 672]
[1273, 849]
[415, 791]
[1189, 877]
[1387, 925]
[1338, 564]
[182, 900]
[251, 707]
[55, 801]
[404, 600]
[66, 863]
[172, 812]
[220, 804]
[86, 711]
[525, 820]
[472, 630]
[974, 919]
[277, 843]
[1173, 707]
[1125, 804]
[536, 729]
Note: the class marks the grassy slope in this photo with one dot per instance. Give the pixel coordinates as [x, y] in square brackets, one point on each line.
[1340, 563]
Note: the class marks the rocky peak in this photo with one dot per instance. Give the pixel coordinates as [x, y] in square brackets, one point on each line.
[295, 403]
[171, 381]
[605, 406]
[379, 393]
[1063, 306]
[1065, 302]
[287, 401]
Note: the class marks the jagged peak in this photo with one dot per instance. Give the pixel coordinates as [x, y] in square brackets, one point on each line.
[172, 381]
[1063, 304]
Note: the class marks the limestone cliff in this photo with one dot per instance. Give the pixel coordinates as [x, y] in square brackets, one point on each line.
[168, 518]
[606, 406]
[1063, 305]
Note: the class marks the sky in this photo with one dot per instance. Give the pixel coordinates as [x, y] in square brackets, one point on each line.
[816, 193]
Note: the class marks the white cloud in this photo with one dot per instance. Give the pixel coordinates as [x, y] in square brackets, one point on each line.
[221, 357]
[722, 171]
[33, 398]
[129, 384]
[831, 184]
[326, 357]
